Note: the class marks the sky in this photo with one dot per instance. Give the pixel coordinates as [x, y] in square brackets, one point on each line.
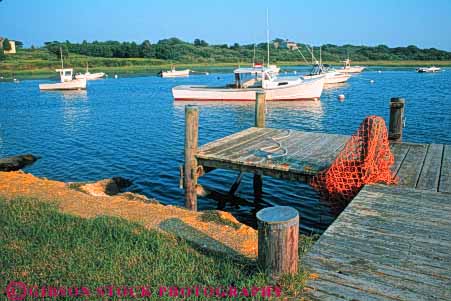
[394, 23]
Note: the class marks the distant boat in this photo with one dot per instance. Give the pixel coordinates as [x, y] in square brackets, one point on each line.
[428, 69]
[331, 76]
[259, 79]
[90, 76]
[347, 68]
[66, 80]
[174, 73]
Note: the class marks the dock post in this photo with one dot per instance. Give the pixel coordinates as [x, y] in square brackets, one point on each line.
[278, 235]
[190, 169]
[396, 123]
[260, 108]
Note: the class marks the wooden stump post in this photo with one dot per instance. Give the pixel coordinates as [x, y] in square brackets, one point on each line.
[260, 108]
[396, 123]
[278, 235]
[260, 111]
[190, 168]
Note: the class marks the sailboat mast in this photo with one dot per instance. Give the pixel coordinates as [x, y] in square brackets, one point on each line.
[61, 54]
[320, 58]
[267, 34]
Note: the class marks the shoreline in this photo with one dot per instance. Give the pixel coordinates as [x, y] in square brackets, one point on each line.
[137, 70]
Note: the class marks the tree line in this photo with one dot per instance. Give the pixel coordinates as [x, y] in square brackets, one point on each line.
[199, 50]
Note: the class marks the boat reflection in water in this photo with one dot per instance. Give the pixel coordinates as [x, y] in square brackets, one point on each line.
[71, 95]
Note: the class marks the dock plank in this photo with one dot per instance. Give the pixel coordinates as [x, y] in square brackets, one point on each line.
[445, 174]
[411, 166]
[430, 174]
[399, 151]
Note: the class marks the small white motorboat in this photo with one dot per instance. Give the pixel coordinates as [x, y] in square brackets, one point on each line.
[259, 79]
[174, 73]
[428, 69]
[347, 68]
[90, 76]
[331, 76]
[67, 82]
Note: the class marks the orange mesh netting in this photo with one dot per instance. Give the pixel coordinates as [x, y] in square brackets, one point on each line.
[365, 159]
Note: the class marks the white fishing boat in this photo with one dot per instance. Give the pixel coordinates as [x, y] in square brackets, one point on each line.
[347, 68]
[250, 80]
[428, 69]
[67, 82]
[90, 76]
[174, 73]
[331, 76]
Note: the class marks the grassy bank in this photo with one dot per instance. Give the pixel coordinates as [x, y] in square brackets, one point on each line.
[41, 246]
[39, 63]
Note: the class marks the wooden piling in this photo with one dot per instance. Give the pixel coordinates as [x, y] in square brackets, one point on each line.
[260, 108]
[260, 111]
[278, 235]
[396, 123]
[190, 168]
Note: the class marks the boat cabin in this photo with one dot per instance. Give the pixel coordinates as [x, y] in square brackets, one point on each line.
[66, 75]
[250, 77]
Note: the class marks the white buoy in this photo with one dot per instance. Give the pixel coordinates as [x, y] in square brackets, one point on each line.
[294, 72]
[379, 71]
[206, 73]
[115, 76]
[341, 97]
[371, 81]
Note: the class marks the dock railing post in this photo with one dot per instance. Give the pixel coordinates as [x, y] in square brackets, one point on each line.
[260, 109]
[396, 122]
[190, 168]
[278, 235]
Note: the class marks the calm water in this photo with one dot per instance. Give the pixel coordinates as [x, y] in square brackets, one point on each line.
[131, 127]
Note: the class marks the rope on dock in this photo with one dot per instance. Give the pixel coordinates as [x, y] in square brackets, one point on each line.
[273, 151]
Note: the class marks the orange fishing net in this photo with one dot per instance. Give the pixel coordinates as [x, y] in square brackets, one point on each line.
[365, 159]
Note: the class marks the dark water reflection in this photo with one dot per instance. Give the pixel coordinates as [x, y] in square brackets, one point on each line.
[131, 127]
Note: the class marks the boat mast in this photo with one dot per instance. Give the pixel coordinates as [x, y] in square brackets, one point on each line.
[267, 34]
[61, 54]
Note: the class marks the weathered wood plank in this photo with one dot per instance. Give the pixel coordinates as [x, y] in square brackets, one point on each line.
[430, 174]
[445, 174]
[399, 151]
[219, 144]
[410, 169]
[390, 244]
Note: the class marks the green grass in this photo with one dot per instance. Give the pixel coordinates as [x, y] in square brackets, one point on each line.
[42, 246]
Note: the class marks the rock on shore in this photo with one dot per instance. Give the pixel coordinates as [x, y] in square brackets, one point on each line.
[17, 162]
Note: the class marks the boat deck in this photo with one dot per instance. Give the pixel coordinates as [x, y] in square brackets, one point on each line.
[390, 243]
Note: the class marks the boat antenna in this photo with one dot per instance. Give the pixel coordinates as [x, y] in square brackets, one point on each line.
[61, 54]
[267, 33]
[320, 58]
[253, 59]
[303, 57]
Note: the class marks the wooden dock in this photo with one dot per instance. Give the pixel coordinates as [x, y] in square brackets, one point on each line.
[390, 243]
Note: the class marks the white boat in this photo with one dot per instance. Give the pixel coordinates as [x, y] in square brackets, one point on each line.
[347, 68]
[271, 68]
[428, 69]
[90, 76]
[175, 73]
[67, 82]
[261, 79]
[331, 76]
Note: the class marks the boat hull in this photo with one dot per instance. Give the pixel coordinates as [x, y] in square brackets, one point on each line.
[175, 73]
[332, 78]
[78, 84]
[354, 69]
[90, 76]
[306, 90]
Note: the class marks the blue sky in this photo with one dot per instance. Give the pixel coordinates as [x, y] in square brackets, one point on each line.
[370, 22]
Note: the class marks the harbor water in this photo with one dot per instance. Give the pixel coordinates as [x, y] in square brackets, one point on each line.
[131, 127]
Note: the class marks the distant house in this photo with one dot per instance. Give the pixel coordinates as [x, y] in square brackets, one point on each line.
[285, 44]
[12, 45]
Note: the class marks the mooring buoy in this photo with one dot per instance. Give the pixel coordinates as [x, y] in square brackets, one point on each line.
[341, 97]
